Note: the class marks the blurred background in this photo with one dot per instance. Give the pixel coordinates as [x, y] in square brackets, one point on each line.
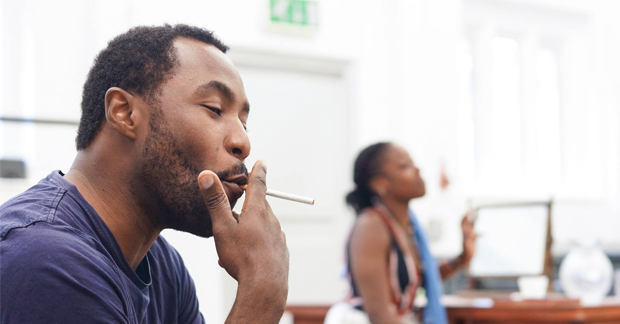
[511, 100]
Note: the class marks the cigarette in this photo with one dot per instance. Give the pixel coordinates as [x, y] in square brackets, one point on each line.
[287, 196]
[291, 197]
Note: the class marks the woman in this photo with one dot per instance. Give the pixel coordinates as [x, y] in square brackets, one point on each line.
[387, 253]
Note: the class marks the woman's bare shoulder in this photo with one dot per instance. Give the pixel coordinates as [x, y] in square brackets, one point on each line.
[370, 228]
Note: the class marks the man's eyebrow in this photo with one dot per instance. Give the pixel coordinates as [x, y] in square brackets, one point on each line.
[219, 87]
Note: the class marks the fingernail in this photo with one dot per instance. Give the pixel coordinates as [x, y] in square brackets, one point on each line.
[206, 182]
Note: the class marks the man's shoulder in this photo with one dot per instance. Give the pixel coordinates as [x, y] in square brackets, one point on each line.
[37, 204]
[58, 275]
[32, 233]
[43, 255]
[42, 244]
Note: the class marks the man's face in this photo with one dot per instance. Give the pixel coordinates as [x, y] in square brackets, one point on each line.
[198, 123]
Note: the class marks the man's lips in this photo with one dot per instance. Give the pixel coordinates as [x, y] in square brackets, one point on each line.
[233, 189]
[239, 179]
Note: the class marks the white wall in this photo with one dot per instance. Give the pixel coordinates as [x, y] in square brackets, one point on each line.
[402, 85]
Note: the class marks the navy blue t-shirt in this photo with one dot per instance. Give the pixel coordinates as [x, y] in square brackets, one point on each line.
[60, 263]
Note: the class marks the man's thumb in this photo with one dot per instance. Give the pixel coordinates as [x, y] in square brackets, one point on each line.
[214, 197]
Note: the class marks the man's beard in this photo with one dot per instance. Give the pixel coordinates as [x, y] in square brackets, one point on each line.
[171, 182]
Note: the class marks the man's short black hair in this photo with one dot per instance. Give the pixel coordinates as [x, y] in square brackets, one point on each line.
[138, 61]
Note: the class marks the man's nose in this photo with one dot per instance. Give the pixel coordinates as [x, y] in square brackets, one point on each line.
[238, 142]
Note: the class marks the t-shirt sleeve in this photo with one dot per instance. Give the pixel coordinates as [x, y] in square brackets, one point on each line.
[47, 276]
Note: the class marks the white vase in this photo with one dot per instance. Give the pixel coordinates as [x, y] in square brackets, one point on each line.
[586, 273]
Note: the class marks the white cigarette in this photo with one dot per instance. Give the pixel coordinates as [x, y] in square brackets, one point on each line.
[291, 197]
[287, 196]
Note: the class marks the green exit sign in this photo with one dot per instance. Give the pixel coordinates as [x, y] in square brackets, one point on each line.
[294, 12]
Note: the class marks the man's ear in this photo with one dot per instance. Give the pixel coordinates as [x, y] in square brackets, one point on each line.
[121, 112]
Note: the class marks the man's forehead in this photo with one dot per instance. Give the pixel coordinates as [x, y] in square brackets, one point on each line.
[203, 63]
[194, 52]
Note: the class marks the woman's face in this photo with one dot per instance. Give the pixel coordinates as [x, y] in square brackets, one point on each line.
[400, 176]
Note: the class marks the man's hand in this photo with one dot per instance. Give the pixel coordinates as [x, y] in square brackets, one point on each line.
[251, 247]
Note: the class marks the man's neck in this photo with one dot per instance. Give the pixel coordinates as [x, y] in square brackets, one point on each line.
[109, 194]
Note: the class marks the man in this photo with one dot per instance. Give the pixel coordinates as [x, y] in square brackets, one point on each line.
[160, 105]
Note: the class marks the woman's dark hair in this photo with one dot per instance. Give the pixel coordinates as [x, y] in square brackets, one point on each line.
[366, 167]
[138, 61]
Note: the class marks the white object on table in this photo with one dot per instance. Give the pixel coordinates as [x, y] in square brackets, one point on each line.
[533, 287]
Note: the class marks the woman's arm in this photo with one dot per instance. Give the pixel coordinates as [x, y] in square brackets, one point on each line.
[452, 267]
[368, 255]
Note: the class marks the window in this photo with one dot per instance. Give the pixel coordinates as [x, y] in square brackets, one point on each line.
[546, 164]
[505, 154]
[511, 101]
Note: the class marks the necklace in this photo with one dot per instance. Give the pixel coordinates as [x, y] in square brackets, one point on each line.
[409, 232]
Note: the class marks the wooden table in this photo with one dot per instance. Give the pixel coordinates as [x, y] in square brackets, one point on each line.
[501, 309]
[555, 309]
[308, 314]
